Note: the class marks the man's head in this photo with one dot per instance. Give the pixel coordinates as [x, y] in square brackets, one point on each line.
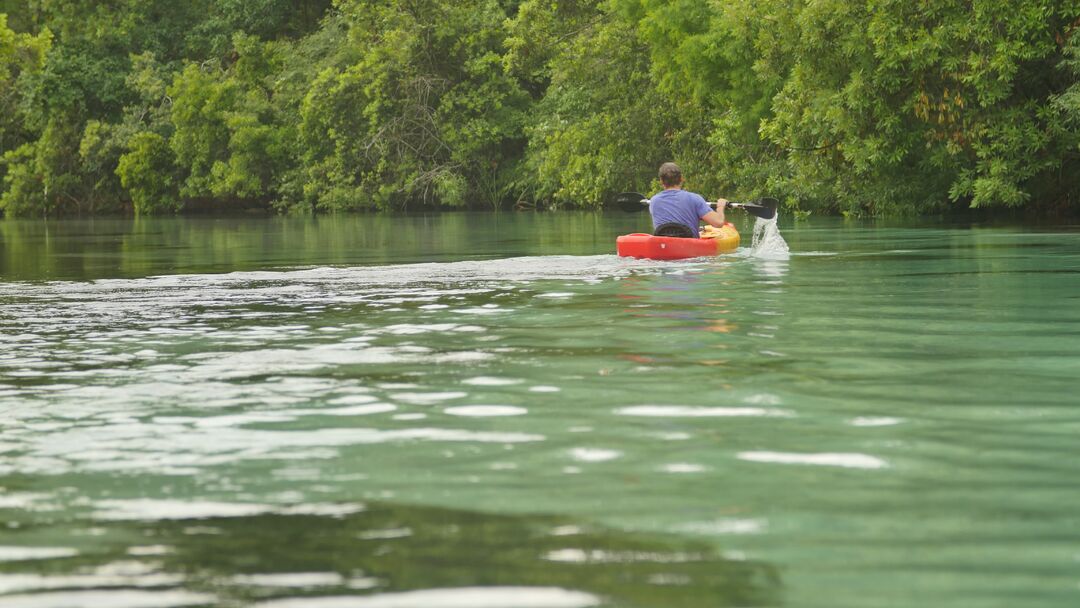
[670, 175]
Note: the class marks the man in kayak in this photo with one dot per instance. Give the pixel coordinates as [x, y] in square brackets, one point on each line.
[676, 212]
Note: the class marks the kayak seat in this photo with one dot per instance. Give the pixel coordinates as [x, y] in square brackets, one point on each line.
[675, 229]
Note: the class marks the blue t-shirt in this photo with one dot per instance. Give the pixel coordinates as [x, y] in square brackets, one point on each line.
[678, 206]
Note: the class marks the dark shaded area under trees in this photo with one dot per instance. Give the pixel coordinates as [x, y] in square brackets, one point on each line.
[874, 108]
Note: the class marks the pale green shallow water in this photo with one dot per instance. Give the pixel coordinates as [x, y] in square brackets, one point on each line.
[493, 410]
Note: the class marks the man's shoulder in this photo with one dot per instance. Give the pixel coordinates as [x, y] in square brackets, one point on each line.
[678, 195]
[691, 198]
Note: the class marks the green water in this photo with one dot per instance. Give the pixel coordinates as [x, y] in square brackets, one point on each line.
[493, 410]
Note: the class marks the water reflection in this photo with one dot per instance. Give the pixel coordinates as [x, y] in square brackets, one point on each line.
[383, 555]
[142, 246]
[770, 271]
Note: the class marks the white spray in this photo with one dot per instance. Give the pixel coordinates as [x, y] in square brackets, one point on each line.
[768, 244]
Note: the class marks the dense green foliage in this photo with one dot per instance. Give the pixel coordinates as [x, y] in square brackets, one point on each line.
[878, 107]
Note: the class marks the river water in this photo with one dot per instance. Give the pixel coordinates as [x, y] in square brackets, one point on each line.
[493, 410]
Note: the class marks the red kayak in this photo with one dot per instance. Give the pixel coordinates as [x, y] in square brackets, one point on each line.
[673, 248]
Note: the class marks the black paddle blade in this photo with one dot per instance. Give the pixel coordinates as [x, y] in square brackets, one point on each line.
[632, 201]
[764, 208]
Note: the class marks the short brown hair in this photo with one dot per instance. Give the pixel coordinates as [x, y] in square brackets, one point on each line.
[670, 174]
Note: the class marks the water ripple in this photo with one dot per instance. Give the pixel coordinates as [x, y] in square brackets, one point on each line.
[482, 411]
[121, 598]
[16, 554]
[457, 597]
[855, 461]
[679, 411]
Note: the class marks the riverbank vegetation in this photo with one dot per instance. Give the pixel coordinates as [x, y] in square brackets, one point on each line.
[873, 108]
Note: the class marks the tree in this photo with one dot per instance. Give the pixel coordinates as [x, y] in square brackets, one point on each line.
[425, 115]
[21, 56]
[147, 170]
[603, 126]
[880, 107]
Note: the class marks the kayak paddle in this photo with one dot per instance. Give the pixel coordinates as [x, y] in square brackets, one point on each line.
[764, 208]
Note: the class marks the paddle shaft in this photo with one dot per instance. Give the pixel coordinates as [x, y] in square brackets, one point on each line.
[765, 208]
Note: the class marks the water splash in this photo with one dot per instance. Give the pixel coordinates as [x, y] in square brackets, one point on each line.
[767, 243]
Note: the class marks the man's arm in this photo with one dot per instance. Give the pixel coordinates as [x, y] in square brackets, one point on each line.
[716, 218]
